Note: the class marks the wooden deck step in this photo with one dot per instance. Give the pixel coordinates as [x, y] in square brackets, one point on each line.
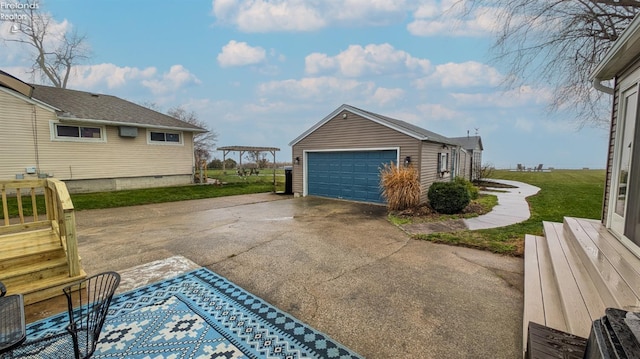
[19, 228]
[543, 304]
[581, 302]
[30, 272]
[24, 239]
[46, 288]
[42, 246]
[613, 269]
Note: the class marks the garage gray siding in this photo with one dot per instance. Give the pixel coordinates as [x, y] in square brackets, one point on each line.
[352, 133]
[429, 170]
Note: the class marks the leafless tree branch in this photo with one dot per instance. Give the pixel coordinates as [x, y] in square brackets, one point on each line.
[203, 142]
[54, 54]
[558, 44]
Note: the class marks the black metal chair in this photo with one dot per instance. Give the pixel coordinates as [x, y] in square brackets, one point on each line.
[12, 322]
[88, 302]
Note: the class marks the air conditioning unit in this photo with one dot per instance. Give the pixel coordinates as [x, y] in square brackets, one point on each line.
[127, 131]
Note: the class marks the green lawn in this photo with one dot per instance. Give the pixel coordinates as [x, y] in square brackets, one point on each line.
[574, 193]
[234, 185]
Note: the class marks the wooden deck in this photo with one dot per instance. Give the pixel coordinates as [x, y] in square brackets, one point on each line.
[38, 251]
[573, 273]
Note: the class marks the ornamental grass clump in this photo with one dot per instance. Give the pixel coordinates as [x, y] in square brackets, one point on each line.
[400, 186]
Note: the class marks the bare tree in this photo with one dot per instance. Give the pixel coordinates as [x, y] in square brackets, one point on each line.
[54, 50]
[258, 157]
[203, 143]
[559, 43]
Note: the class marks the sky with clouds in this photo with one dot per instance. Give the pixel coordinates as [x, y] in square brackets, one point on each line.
[261, 72]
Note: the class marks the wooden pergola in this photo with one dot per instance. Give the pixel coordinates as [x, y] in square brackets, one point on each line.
[242, 149]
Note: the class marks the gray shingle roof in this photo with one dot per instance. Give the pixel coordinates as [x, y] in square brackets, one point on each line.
[80, 105]
[468, 142]
[418, 132]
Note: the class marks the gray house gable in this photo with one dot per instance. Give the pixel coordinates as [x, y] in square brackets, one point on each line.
[469, 143]
[80, 106]
[392, 123]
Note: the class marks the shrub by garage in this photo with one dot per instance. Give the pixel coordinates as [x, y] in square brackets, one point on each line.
[448, 197]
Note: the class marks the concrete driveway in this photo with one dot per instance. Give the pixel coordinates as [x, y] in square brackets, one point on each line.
[339, 266]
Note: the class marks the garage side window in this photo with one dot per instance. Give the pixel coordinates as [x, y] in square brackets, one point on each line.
[66, 132]
[443, 162]
[164, 138]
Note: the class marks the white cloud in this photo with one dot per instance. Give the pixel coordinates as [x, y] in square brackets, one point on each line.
[519, 97]
[316, 88]
[240, 54]
[176, 78]
[372, 59]
[466, 74]
[267, 16]
[367, 12]
[305, 15]
[93, 76]
[384, 96]
[439, 112]
[451, 18]
[524, 125]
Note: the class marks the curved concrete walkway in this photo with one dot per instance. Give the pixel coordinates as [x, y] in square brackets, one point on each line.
[512, 206]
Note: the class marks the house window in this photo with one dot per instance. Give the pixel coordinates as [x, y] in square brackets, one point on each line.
[159, 137]
[77, 133]
[443, 162]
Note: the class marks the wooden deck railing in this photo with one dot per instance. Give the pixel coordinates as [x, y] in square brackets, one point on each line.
[50, 206]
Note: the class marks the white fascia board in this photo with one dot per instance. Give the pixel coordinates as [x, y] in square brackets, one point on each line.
[608, 67]
[122, 123]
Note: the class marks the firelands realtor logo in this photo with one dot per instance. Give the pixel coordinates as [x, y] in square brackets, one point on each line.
[16, 12]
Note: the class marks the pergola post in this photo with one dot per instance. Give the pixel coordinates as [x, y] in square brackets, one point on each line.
[242, 149]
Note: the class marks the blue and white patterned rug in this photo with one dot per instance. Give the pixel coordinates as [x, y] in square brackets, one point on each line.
[199, 315]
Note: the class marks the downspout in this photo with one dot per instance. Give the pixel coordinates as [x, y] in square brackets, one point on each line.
[602, 88]
[34, 128]
[597, 84]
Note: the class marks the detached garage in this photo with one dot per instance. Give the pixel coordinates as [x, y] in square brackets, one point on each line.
[341, 156]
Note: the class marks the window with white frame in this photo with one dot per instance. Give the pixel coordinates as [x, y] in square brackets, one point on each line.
[165, 137]
[443, 162]
[71, 132]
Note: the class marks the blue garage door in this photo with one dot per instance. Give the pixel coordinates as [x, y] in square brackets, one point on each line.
[353, 175]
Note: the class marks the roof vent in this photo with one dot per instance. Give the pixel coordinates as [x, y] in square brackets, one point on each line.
[94, 95]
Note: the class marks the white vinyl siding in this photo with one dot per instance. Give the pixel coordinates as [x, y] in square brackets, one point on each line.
[115, 158]
[17, 150]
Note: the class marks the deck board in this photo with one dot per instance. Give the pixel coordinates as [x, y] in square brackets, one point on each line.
[628, 267]
[553, 312]
[579, 304]
[609, 268]
[533, 300]
[584, 267]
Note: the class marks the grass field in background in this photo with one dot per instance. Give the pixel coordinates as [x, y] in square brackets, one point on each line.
[231, 176]
[573, 193]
